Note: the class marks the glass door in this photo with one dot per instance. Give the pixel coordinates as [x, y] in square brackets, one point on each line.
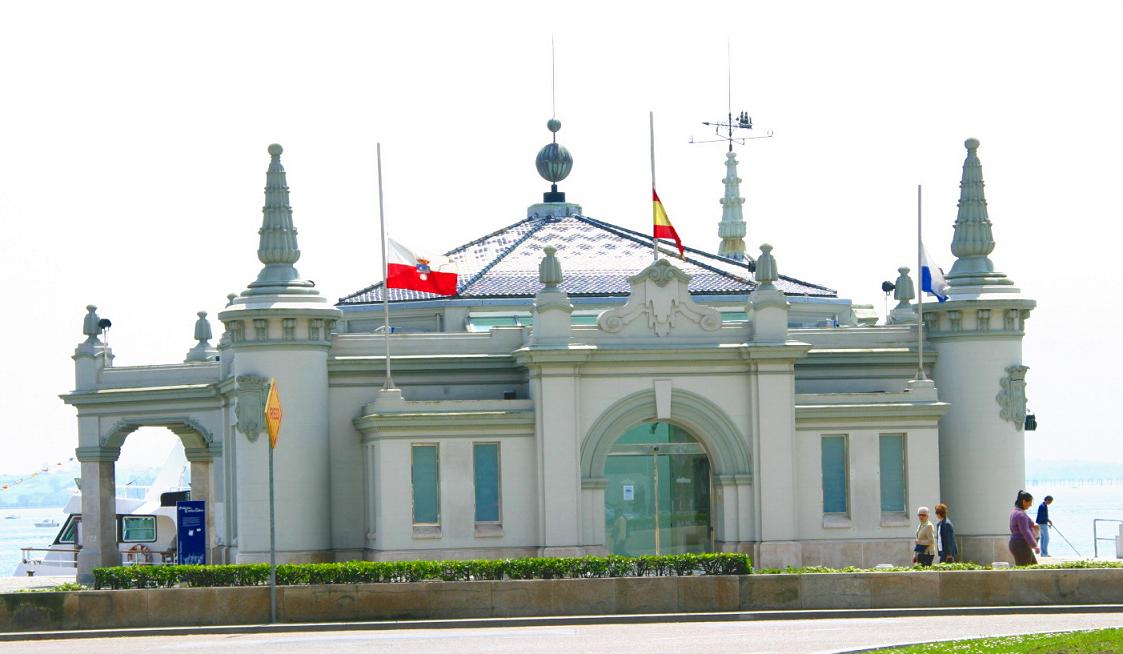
[657, 500]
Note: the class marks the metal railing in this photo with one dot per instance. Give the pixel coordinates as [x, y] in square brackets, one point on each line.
[1096, 538]
[61, 561]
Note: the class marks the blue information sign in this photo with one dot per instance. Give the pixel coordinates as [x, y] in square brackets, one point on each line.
[191, 527]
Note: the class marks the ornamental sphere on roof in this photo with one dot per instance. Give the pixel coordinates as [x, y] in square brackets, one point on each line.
[554, 162]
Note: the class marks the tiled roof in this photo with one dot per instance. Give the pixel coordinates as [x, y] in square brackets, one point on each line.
[596, 258]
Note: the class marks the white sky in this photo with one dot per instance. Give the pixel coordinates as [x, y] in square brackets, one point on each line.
[133, 136]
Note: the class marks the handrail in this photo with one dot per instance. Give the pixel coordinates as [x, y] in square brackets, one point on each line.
[158, 557]
[26, 555]
[1096, 538]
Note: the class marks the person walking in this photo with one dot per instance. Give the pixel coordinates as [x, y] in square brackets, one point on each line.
[925, 548]
[946, 547]
[1044, 523]
[1022, 541]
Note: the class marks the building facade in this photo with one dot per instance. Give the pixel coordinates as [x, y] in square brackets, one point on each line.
[580, 396]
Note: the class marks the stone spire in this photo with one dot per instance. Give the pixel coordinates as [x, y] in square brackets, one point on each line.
[973, 239]
[277, 247]
[732, 227]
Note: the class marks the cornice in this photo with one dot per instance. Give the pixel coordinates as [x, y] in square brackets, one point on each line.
[149, 394]
[445, 424]
[806, 414]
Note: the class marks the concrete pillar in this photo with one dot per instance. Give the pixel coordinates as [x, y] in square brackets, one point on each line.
[202, 488]
[982, 452]
[98, 543]
[559, 464]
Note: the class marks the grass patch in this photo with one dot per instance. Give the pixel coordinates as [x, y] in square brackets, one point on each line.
[937, 567]
[60, 588]
[1073, 642]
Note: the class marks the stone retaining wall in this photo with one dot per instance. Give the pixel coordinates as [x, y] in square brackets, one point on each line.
[103, 609]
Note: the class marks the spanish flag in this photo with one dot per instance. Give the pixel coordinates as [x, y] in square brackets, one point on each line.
[663, 226]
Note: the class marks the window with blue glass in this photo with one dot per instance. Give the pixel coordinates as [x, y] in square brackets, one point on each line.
[835, 489]
[892, 455]
[485, 466]
[425, 474]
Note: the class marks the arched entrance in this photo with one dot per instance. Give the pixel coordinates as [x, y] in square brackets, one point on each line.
[657, 497]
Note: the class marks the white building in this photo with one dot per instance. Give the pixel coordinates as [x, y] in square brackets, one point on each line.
[575, 398]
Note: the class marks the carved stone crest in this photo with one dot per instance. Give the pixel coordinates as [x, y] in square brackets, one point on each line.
[250, 407]
[660, 295]
[1012, 397]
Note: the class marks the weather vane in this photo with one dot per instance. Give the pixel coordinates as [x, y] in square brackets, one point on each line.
[744, 120]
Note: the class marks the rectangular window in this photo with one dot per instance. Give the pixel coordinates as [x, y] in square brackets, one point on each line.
[892, 473]
[138, 529]
[426, 485]
[835, 488]
[485, 465]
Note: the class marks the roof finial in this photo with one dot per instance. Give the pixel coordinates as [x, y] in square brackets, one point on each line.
[732, 228]
[277, 247]
[973, 239]
[554, 163]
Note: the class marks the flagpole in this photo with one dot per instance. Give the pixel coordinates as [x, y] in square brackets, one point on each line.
[654, 242]
[919, 291]
[385, 273]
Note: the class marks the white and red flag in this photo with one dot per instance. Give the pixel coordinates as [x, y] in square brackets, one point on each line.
[406, 270]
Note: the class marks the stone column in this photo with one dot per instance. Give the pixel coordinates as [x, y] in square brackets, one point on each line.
[202, 488]
[98, 543]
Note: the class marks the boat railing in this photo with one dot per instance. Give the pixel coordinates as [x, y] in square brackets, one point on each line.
[1096, 538]
[146, 556]
[62, 561]
[67, 557]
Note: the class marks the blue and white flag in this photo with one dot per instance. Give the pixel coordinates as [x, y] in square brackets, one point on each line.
[931, 277]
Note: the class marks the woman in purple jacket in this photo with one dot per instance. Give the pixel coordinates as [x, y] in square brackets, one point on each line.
[1022, 541]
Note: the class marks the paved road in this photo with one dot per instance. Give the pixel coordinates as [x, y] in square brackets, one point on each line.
[782, 636]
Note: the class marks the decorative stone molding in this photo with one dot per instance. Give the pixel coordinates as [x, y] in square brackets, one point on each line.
[1012, 397]
[191, 433]
[250, 408]
[660, 294]
[726, 446]
[1010, 320]
[314, 327]
[982, 320]
[288, 329]
[260, 329]
[237, 331]
[97, 454]
[954, 323]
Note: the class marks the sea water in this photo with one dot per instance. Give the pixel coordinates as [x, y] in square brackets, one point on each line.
[21, 532]
[1076, 503]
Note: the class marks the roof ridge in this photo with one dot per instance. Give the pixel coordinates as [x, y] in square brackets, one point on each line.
[643, 238]
[636, 236]
[522, 239]
[491, 235]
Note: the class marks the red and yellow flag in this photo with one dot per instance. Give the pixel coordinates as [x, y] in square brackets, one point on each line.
[273, 414]
[663, 226]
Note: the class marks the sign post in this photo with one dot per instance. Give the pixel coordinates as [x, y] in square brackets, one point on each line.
[273, 415]
[191, 528]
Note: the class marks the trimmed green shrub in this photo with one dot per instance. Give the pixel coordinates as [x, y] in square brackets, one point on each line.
[366, 572]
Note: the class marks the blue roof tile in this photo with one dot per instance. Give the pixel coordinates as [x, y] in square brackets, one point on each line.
[596, 257]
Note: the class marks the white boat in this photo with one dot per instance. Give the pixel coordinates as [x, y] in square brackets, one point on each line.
[146, 529]
[10, 517]
[47, 523]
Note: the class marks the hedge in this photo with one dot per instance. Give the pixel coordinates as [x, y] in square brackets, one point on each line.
[366, 572]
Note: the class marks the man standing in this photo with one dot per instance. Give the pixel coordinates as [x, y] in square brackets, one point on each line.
[1044, 523]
